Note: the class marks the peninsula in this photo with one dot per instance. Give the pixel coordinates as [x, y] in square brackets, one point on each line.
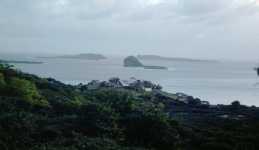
[157, 57]
[20, 62]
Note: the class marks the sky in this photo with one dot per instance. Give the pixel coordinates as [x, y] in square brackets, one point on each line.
[217, 29]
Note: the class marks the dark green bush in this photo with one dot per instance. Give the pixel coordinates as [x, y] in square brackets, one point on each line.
[27, 91]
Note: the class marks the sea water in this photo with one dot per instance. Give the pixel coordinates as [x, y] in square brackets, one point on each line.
[217, 82]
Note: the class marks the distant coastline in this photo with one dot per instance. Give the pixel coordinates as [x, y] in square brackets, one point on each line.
[156, 67]
[157, 57]
[86, 56]
[20, 62]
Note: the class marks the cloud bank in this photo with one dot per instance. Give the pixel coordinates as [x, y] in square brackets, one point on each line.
[188, 28]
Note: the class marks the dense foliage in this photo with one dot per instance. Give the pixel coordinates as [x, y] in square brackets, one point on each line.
[44, 114]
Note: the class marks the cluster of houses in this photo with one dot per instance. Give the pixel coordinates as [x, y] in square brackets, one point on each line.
[132, 83]
[140, 86]
[190, 100]
[180, 102]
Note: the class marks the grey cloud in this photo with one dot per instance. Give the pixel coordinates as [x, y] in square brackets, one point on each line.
[198, 28]
[202, 7]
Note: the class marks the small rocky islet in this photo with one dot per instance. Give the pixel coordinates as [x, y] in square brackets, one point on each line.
[132, 61]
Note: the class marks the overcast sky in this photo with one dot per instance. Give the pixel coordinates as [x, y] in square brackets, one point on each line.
[177, 28]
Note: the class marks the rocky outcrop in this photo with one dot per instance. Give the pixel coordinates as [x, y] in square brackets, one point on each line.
[132, 61]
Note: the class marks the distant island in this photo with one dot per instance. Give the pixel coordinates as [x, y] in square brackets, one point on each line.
[87, 56]
[157, 57]
[132, 61]
[20, 62]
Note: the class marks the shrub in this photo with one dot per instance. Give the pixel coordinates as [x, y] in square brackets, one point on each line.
[27, 91]
[2, 82]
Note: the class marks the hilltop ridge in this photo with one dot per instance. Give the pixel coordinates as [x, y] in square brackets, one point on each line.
[43, 113]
